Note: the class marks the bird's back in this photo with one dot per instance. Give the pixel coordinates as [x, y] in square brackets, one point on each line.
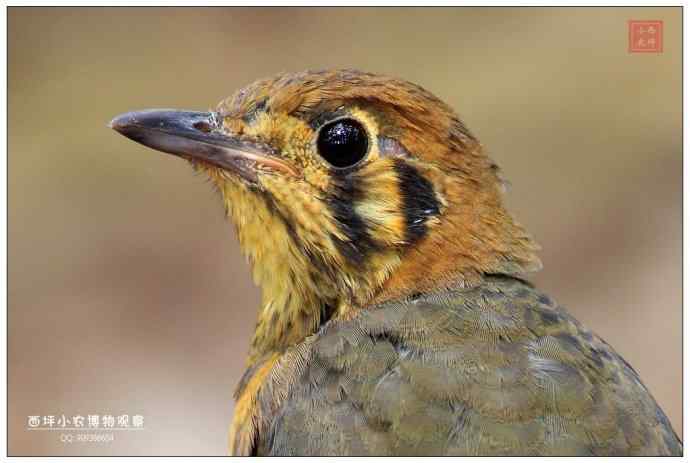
[494, 370]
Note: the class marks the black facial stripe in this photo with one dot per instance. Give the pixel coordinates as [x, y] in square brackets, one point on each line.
[359, 242]
[418, 200]
[271, 205]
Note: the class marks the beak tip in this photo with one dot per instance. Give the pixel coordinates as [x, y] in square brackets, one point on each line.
[119, 123]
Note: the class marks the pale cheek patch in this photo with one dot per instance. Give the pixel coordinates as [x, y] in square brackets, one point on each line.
[384, 222]
[380, 207]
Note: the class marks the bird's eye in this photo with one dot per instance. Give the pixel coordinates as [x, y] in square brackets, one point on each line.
[343, 143]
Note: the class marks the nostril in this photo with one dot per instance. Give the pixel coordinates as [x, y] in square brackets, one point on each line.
[202, 126]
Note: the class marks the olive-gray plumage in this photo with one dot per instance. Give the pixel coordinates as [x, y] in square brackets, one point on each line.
[497, 369]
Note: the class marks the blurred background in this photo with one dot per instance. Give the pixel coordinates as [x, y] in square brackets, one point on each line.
[127, 291]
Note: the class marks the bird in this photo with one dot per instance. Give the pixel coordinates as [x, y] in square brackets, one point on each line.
[396, 315]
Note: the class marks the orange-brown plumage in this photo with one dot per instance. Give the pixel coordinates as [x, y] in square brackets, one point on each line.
[483, 236]
[375, 227]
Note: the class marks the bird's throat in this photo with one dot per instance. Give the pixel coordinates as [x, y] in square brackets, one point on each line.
[299, 292]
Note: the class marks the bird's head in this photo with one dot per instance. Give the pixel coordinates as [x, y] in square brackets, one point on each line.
[346, 189]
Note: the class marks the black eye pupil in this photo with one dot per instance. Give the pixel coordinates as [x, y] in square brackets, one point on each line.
[343, 143]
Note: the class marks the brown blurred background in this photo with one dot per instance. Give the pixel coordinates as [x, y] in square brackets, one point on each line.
[127, 291]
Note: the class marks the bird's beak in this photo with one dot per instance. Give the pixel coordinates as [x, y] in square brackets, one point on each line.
[198, 136]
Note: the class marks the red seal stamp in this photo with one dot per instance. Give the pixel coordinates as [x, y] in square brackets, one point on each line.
[645, 36]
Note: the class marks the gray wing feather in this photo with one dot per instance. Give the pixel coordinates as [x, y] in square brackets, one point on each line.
[493, 370]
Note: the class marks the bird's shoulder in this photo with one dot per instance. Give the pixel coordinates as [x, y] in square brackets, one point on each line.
[495, 369]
